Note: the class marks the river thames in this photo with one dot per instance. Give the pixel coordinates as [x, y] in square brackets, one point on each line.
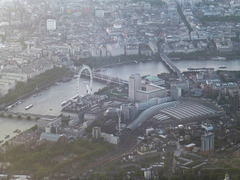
[48, 102]
[157, 67]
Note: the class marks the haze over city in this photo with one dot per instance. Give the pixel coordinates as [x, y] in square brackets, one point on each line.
[130, 89]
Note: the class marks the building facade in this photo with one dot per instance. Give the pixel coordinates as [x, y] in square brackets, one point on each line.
[96, 132]
[51, 25]
[135, 83]
[207, 143]
[234, 100]
[138, 92]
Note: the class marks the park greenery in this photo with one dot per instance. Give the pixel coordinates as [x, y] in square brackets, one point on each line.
[38, 82]
[188, 174]
[105, 90]
[46, 159]
[188, 55]
[113, 91]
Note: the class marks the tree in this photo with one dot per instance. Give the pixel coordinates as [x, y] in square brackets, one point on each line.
[237, 177]
[174, 178]
[213, 176]
[188, 175]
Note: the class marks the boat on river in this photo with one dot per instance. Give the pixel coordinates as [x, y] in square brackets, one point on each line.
[219, 58]
[222, 67]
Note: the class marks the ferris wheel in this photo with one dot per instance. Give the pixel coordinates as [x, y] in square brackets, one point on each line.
[89, 84]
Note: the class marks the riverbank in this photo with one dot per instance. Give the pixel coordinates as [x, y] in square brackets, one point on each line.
[127, 63]
[34, 85]
[104, 62]
[8, 127]
[204, 56]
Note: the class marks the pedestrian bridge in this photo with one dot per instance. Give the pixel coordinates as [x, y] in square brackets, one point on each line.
[105, 78]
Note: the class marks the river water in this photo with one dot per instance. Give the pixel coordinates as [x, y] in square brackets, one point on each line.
[49, 101]
[157, 67]
[7, 126]
[230, 64]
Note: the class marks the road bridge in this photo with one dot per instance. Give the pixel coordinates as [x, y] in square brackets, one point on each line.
[29, 116]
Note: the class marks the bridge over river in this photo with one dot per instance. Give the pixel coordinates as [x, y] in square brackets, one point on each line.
[171, 65]
[28, 116]
[98, 76]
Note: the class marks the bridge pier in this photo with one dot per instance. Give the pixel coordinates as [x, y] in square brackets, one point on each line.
[32, 118]
[23, 116]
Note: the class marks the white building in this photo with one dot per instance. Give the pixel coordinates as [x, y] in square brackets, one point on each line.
[110, 138]
[150, 91]
[51, 25]
[138, 92]
[115, 49]
[135, 83]
[132, 49]
[224, 45]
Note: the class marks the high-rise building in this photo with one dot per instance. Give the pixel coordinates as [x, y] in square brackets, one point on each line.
[207, 143]
[96, 132]
[234, 100]
[135, 83]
